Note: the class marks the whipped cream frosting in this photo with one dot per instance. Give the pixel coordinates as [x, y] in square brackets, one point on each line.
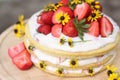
[53, 43]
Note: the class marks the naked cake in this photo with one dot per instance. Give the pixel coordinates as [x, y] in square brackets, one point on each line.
[71, 38]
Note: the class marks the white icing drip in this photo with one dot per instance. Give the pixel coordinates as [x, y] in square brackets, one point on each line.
[95, 43]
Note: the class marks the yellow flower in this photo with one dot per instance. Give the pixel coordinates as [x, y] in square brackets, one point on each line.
[89, 1]
[52, 7]
[91, 71]
[42, 65]
[70, 42]
[62, 40]
[113, 76]
[60, 72]
[31, 48]
[111, 69]
[74, 63]
[19, 27]
[62, 17]
[95, 5]
[96, 14]
[75, 2]
[59, 4]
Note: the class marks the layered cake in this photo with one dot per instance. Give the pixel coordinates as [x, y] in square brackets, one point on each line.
[71, 38]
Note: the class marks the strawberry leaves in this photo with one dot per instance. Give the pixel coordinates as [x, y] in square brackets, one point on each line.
[81, 27]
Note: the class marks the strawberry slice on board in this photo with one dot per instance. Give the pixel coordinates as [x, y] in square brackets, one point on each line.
[23, 60]
[82, 10]
[106, 27]
[57, 30]
[94, 29]
[13, 51]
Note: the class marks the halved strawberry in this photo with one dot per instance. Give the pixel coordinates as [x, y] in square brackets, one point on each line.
[82, 10]
[45, 29]
[94, 29]
[45, 18]
[106, 27]
[22, 60]
[57, 30]
[13, 51]
[65, 2]
[54, 20]
[68, 10]
[70, 30]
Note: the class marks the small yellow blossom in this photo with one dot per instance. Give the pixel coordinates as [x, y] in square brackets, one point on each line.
[60, 72]
[62, 40]
[19, 27]
[91, 71]
[75, 2]
[113, 76]
[42, 65]
[89, 1]
[96, 14]
[74, 63]
[70, 42]
[62, 17]
[111, 69]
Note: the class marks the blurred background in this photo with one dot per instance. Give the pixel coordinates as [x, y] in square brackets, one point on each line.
[10, 9]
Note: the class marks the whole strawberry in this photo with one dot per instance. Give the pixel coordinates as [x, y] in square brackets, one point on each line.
[68, 10]
[70, 30]
[45, 29]
[45, 18]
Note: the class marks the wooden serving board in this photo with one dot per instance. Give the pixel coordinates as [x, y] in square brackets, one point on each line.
[8, 71]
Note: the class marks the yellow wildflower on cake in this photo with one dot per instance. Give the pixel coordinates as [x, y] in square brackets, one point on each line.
[75, 2]
[42, 65]
[60, 71]
[89, 1]
[95, 15]
[91, 71]
[74, 63]
[62, 17]
[19, 27]
[70, 42]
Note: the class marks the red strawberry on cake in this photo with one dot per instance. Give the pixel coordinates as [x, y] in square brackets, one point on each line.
[81, 10]
[70, 30]
[45, 18]
[106, 27]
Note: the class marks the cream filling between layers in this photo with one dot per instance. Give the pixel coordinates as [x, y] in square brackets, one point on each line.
[53, 43]
[43, 56]
[52, 69]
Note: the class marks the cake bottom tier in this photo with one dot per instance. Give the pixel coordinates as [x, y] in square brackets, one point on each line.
[69, 72]
[69, 67]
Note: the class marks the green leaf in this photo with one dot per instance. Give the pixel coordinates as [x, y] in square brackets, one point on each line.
[86, 26]
[81, 27]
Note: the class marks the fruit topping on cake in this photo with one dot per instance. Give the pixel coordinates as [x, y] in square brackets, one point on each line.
[106, 27]
[57, 30]
[45, 29]
[74, 18]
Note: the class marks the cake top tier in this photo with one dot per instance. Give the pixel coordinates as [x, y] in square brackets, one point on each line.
[73, 26]
[74, 18]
